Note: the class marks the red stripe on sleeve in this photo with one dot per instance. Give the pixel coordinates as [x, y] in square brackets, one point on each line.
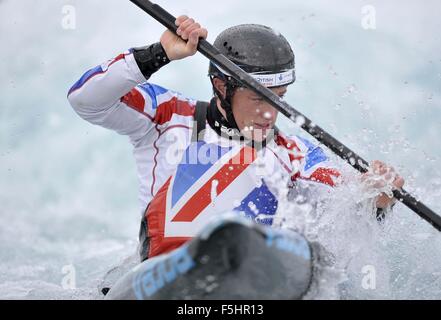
[135, 100]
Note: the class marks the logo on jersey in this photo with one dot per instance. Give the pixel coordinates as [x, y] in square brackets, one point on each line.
[197, 192]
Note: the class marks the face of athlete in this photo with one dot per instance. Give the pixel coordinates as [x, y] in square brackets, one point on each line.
[254, 116]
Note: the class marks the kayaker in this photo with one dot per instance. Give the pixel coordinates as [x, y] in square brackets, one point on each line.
[194, 159]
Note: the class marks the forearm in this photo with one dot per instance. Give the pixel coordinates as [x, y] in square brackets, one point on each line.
[150, 58]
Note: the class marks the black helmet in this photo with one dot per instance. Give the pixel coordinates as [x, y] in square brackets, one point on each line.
[260, 51]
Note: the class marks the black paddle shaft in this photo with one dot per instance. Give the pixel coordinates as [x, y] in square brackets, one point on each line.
[204, 47]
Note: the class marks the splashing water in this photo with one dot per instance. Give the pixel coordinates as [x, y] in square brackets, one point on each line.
[392, 259]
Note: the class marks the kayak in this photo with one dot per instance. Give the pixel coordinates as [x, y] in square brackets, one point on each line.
[232, 258]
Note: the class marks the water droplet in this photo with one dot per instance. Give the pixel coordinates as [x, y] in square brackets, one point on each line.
[351, 89]
[210, 278]
[300, 120]
[204, 259]
[267, 115]
[214, 184]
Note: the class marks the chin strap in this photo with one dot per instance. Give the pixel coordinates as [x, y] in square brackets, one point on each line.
[226, 102]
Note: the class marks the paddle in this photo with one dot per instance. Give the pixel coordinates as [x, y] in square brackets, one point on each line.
[321, 135]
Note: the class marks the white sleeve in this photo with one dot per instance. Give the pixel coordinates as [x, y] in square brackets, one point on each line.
[106, 96]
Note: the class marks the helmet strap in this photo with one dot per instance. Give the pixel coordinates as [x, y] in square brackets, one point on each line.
[226, 102]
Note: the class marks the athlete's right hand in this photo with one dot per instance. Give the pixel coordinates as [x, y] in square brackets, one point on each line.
[175, 47]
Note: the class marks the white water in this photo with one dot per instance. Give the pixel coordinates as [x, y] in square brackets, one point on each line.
[68, 190]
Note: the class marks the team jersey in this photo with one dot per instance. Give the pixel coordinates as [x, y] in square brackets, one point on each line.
[185, 183]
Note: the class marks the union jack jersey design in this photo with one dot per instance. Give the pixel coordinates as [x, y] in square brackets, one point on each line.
[182, 194]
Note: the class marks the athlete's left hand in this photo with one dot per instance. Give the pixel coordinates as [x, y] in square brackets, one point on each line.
[379, 176]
